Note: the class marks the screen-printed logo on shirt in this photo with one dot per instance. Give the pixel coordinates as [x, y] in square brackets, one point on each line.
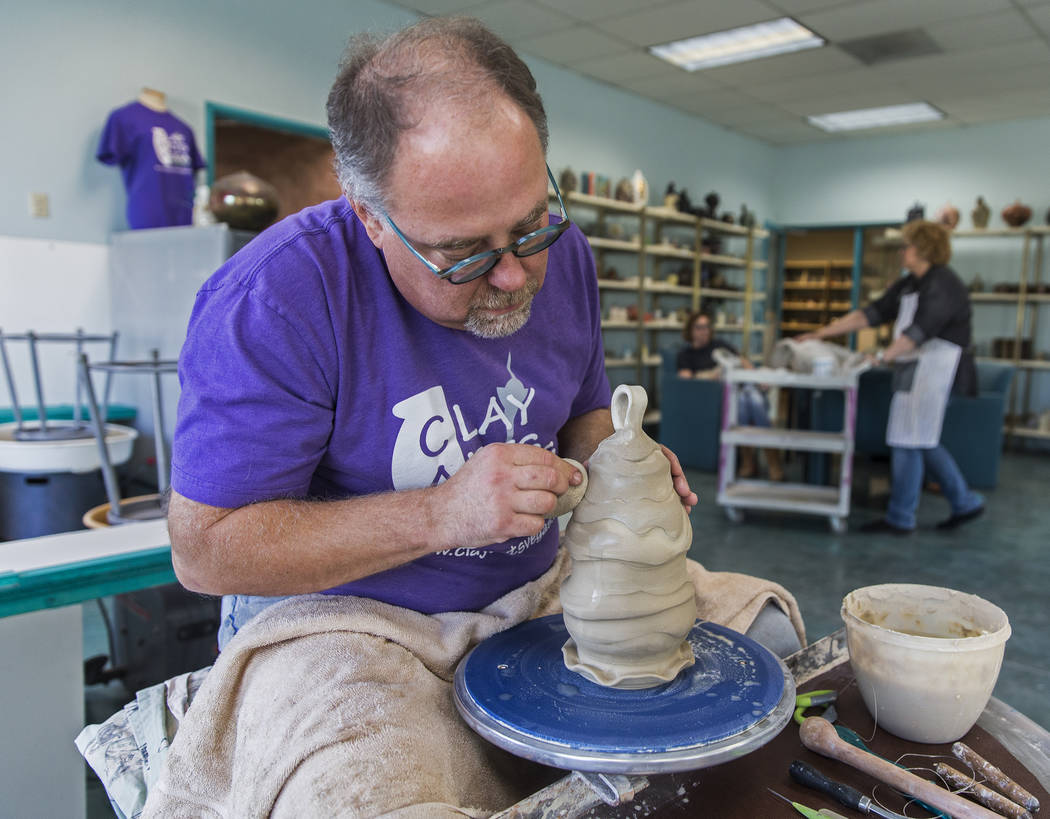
[435, 438]
[172, 150]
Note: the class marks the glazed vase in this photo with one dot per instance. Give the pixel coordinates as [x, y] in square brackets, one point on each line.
[629, 603]
[948, 215]
[243, 201]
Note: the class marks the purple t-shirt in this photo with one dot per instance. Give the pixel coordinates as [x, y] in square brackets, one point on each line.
[306, 374]
[158, 157]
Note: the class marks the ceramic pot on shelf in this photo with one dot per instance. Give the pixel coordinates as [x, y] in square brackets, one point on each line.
[1016, 215]
[980, 214]
[948, 215]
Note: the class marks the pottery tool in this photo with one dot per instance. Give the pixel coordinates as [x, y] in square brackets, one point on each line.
[515, 690]
[965, 783]
[809, 813]
[809, 776]
[999, 780]
[819, 735]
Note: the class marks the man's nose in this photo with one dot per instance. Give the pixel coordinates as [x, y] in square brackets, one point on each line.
[508, 273]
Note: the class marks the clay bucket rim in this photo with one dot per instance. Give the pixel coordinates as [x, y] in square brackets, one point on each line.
[980, 642]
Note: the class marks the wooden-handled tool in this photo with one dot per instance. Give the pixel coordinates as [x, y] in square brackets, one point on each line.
[819, 735]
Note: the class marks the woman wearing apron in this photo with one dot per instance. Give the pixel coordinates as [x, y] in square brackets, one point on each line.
[930, 308]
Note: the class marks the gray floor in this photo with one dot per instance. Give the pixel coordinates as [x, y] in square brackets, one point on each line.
[1001, 557]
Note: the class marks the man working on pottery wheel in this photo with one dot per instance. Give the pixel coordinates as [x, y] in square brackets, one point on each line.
[376, 395]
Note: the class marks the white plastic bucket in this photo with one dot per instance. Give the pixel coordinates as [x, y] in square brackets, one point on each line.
[926, 658]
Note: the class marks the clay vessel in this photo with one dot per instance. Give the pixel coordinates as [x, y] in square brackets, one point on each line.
[711, 200]
[1016, 214]
[980, 214]
[243, 201]
[947, 215]
[917, 211]
[629, 603]
[568, 181]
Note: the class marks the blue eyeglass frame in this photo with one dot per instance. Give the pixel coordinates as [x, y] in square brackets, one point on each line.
[553, 230]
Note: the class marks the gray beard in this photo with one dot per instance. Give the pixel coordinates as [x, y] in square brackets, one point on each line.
[486, 326]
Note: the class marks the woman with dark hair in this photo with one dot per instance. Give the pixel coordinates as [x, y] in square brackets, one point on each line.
[931, 360]
[696, 360]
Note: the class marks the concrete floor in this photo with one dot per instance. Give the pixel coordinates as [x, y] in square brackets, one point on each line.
[1001, 557]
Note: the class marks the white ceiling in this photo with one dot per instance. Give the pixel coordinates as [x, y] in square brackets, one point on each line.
[994, 60]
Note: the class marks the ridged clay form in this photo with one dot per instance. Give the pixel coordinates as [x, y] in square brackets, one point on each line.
[629, 603]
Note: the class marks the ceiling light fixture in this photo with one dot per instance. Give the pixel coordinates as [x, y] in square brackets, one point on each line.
[877, 117]
[738, 45]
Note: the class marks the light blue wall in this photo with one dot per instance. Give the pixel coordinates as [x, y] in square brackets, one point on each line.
[67, 63]
[878, 178]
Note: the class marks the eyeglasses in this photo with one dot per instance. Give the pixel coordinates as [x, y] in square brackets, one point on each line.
[479, 264]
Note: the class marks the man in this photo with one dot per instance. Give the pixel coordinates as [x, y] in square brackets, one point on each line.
[377, 394]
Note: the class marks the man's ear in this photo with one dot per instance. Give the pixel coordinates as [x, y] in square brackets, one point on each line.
[375, 227]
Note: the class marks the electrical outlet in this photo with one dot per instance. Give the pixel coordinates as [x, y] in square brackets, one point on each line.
[39, 205]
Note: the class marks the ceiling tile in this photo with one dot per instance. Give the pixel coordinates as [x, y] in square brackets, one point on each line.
[571, 45]
[854, 101]
[826, 85]
[784, 66]
[679, 84]
[437, 8]
[638, 65]
[591, 10]
[517, 21]
[1041, 17]
[964, 66]
[749, 114]
[880, 16]
[705, 102]
[1009, 105]
[662, 24]
[793, 7]
[783, 132]
[980, 31]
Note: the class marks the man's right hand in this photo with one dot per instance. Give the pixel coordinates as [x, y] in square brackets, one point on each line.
[503, 491]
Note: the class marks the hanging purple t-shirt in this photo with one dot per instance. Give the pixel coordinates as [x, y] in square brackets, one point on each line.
[306, 374]
[158, 158]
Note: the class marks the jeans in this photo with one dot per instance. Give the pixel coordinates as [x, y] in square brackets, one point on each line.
[906, 468]
[752, 408]
[237, 610]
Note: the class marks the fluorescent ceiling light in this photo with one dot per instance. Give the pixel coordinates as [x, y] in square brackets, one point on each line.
[877, 117]
[738, 45]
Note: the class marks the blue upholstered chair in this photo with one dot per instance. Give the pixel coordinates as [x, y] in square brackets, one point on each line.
[690, 416]
[973, 427]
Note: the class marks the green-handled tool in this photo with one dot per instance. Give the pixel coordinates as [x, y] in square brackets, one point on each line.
[809, 813]
[806, 774]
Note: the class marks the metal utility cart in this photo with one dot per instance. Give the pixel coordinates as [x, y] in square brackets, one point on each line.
[737, 495]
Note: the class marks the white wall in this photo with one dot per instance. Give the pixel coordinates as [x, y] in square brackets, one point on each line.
[51, 287]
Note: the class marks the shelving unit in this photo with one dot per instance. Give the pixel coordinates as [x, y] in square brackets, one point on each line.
[1029, 297]
[736, 495]
[816, 291]
[667, 249]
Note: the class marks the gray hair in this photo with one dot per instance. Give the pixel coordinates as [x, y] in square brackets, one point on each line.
[382, 85]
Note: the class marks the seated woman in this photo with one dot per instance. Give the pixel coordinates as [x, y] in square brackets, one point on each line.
[696, 360]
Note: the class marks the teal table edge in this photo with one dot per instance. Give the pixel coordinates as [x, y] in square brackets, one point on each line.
[56, 586]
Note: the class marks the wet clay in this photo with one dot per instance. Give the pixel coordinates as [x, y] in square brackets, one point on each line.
[629, 603]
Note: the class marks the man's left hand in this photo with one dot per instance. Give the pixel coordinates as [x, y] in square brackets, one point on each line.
[681, 485]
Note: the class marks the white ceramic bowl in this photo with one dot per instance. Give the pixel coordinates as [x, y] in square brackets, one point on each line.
[925, 658]
[70, 455]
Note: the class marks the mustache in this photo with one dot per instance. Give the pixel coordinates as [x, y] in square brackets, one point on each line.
[495, 299]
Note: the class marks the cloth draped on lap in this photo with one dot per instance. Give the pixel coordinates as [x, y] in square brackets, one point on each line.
[342, 706]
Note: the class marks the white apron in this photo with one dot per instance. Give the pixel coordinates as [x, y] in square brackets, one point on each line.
[922, 383]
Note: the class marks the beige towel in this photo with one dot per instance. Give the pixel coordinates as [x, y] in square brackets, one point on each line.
[342, 706]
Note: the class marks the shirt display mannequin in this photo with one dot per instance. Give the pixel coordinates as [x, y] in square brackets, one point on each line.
[158, 159]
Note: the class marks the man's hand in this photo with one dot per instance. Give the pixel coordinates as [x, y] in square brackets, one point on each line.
[807, 337]
[503, 491]
[681, 485]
